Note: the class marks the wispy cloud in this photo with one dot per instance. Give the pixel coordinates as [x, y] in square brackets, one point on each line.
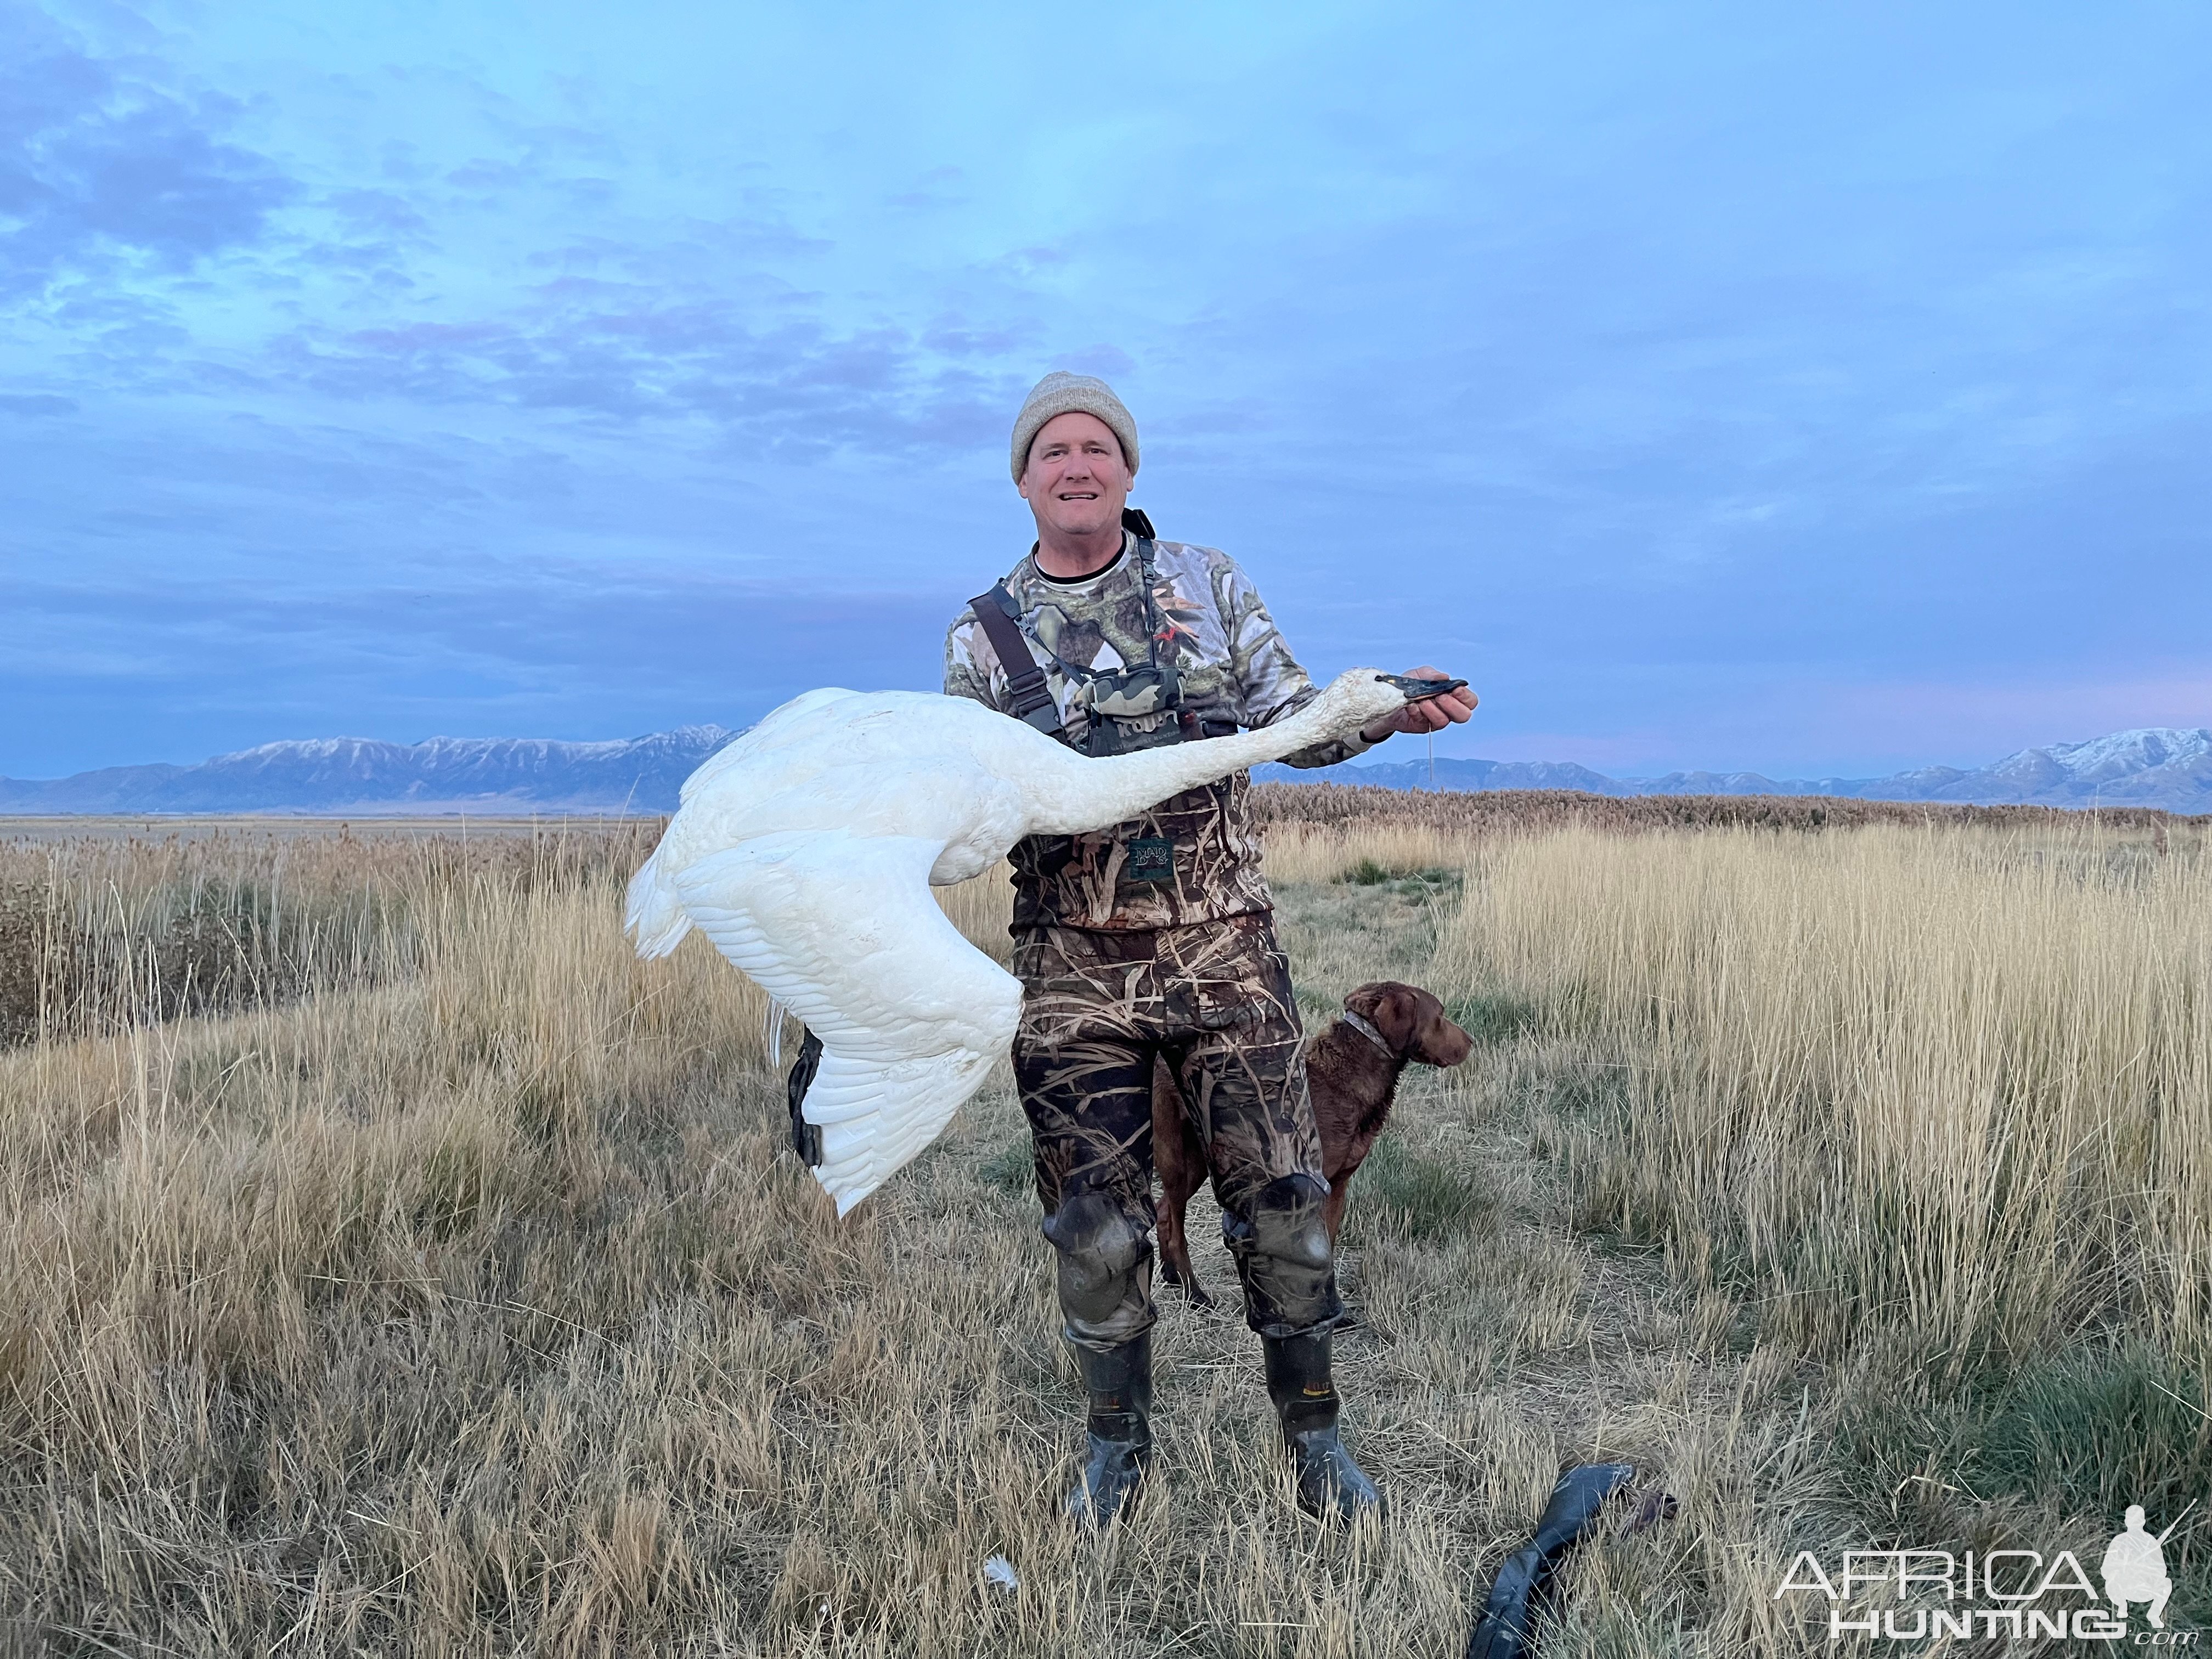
[98, 167]
[620, 353]
[498, 368]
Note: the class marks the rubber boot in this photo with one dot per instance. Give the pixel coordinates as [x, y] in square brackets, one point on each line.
[1119, 1433]
[1521, 1594]
[1331, 1486]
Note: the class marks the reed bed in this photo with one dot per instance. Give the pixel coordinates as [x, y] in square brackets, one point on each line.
[1358, 806]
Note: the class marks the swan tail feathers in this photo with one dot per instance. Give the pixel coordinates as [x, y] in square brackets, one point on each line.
[655, 917]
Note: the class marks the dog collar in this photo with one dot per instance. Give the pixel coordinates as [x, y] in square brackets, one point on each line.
[1365, 1027]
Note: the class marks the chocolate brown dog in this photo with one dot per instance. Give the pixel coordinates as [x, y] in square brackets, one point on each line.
[1353, 1068]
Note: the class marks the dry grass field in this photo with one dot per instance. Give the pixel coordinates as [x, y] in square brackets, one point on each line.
[390, 1263]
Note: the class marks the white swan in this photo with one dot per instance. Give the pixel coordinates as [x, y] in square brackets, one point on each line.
[805, 849]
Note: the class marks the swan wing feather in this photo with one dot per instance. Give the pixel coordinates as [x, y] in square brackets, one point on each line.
[842, 929]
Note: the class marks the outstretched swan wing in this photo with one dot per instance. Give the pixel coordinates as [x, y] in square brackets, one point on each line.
[842, 929]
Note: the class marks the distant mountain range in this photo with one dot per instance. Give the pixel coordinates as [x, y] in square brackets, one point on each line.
[2156, 766]
[2152, 766]
[487, 776]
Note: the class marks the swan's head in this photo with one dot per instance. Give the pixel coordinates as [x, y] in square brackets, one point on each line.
[1358, 697]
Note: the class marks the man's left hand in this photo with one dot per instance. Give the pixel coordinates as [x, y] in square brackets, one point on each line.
[1429, 714]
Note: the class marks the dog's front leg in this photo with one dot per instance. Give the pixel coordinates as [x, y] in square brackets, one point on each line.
[1331, 1213]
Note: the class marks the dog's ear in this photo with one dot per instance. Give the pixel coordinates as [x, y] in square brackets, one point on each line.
[1395, 1009]
[1362, 1001]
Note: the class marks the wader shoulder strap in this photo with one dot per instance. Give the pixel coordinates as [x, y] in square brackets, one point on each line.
[1032, 699]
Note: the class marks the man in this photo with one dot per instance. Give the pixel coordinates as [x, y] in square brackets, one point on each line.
[1155, 938]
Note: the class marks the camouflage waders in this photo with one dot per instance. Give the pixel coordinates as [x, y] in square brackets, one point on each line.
[1214, 999]
[1153, 937]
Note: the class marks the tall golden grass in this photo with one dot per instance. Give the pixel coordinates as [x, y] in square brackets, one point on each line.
[468, 1306]
[1951, 1086]
[391, 1263]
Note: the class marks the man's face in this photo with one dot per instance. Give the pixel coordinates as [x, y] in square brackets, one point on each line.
[1075, 481]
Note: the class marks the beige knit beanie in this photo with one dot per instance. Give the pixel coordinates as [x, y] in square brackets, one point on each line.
[1059, 392]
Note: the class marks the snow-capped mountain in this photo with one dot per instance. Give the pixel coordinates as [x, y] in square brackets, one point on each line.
[2155, 766]
[2152, 766]
[445, 774]
[2148, 767]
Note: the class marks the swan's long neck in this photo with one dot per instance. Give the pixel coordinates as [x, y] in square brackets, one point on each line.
[1091, 794]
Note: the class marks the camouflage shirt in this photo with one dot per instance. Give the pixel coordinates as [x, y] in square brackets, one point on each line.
[1234, 668]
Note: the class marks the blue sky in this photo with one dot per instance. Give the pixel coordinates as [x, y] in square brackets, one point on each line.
[1813, 389]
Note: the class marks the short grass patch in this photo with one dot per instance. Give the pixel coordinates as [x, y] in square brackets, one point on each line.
[1418, 885]
[1420, 1193]
[2089, 1431]
[1012, 1167]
